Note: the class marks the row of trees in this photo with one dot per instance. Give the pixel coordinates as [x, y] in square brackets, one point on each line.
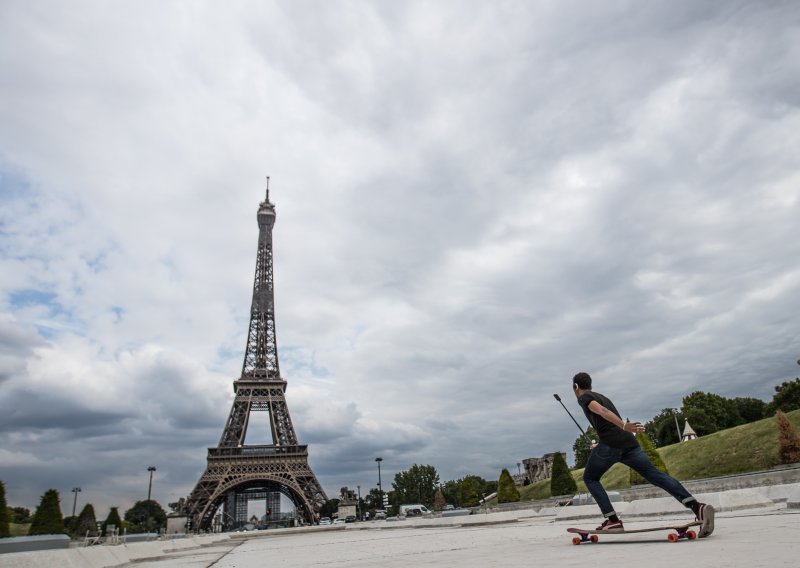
[709, 412]
[144, 516]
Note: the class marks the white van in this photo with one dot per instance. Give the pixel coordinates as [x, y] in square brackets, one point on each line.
[415, 510]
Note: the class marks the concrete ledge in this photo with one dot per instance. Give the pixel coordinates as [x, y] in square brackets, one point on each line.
[31, 543]
[778, 493]
[724, 501]
[793, 499]
[456, 513]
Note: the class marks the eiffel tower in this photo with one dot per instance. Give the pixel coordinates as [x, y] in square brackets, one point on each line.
[238, 472]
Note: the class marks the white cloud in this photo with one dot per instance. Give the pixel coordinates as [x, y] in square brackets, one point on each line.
[474, 203]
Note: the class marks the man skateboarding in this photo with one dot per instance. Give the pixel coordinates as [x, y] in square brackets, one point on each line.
[618, 444]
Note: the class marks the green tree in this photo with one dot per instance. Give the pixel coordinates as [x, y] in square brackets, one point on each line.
[330, 508]
[561, 481]
[582, 447]
[788, 440]
[69, 525]
[652, 453]
[146, 516]
[417, 485]
[662, 427]
[786, 397]
[467, 492]
[112, 519]
[450, 490]
[750, 409]
[86, 523]
[48, 519]
[5, 517]
[20, 515]
[717, 411]
[507, 491]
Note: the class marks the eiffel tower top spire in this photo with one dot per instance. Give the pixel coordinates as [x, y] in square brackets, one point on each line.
[261, 353]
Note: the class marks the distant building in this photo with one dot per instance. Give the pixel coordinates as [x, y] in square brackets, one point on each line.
[537, 469]
[347, 503]
[688, 432]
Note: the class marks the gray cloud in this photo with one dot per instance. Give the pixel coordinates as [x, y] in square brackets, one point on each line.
[474, 203]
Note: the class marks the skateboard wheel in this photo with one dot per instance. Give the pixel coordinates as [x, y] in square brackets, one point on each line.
[691, 535]
[594, 538]
[576, 540]
[673, 537]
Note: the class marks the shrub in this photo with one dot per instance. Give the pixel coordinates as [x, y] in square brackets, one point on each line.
[561, 482]
[86, 523]
[650, 450]
[788, 440]
[507, 491]
[112, 519]
[48, 519]
[146, 516]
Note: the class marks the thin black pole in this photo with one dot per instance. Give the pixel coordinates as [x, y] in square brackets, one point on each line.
[558, 398]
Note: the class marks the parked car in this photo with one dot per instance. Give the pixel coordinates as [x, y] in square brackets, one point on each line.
[380, 515]
[416, 510]
[325, 521]
[350, 519]
[338, 521]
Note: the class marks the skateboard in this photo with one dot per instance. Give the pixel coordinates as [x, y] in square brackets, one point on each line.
[681, 531]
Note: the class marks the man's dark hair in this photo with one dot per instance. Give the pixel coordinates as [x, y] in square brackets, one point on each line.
[583, 380]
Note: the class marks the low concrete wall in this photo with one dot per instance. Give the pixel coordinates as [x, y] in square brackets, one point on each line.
[37, 542]
[776, 476]
[105, 556]
[781, 475]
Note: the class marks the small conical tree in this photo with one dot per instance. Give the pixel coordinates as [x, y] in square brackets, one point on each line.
[87, 522]
[647, 445]
[439, 501]
[5, 518]
[788, 439]
[561, 481]
[507, 491]
[48, 519]
[112, 519]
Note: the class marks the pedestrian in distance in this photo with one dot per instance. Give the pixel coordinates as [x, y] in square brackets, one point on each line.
[618, 444]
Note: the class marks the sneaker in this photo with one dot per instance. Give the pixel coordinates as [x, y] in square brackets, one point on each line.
[609, 525]
[706, 518]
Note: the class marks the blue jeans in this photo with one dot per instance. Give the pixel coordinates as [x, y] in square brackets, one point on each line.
[603, 457]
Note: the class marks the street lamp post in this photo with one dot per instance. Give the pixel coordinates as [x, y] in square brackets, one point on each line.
[380, 487]
[359, 509]
[151, 469]
[75, 490]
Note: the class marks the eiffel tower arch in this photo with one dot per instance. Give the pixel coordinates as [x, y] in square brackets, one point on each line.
[238, 472]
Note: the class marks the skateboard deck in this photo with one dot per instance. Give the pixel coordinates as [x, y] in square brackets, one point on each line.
[680, 531]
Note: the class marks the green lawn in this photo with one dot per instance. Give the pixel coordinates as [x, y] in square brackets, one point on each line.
[751, 447]
[18, 530]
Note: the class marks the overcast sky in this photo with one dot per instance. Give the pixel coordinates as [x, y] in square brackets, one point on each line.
[475, 200]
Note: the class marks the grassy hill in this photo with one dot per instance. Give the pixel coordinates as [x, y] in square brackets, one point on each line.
[750, 447]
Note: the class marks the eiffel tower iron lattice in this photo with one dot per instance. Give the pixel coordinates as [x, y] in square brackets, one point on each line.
[237, 471]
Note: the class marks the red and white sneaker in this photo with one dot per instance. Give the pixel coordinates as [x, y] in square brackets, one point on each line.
[706, 518]
[609, 525]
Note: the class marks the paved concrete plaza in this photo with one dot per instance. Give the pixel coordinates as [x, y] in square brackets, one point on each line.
[742, 538]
